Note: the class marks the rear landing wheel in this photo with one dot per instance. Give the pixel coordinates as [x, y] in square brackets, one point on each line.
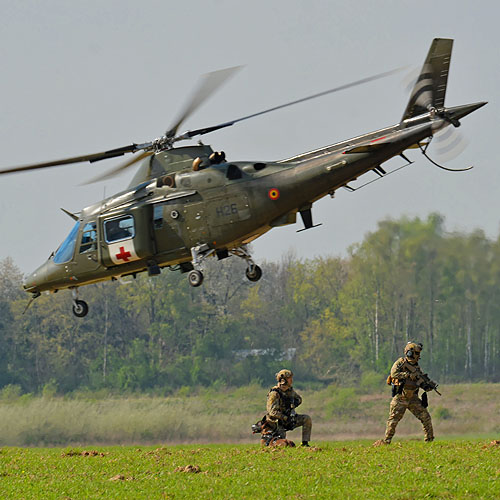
[80, 308]
[195, 278]
[254, 273]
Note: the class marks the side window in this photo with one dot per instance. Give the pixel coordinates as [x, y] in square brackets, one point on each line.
[233, 173]
[89, 238]
[158, 216]
[118, 229]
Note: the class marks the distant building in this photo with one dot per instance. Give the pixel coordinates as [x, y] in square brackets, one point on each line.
[277, 354]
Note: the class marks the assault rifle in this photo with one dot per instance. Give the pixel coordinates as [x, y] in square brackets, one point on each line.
[422, 379]
[268, 434]
[258, 426]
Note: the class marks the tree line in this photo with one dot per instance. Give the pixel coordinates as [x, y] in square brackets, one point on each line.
[330, 319]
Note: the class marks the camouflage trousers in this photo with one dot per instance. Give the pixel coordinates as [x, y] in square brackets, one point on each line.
[399, 405]
[303, 421]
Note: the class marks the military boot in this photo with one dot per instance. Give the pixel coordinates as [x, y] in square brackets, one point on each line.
[428, 430]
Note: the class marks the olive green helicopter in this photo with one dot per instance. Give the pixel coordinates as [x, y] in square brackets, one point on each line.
[186, 204]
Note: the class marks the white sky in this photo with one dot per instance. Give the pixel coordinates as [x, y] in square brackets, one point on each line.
[82, 77]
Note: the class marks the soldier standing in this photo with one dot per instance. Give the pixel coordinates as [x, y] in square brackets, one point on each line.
[280, 409]
[406, 379]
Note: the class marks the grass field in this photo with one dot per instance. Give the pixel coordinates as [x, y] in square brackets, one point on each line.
[348, 470]
[343, 463]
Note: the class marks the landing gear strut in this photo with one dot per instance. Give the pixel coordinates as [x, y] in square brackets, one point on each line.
[80, 307]
[253, 271]
[201, 252]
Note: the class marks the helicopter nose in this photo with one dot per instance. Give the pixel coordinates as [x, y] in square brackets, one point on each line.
[35, 281]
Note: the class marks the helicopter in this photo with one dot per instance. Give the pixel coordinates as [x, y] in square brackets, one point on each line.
[188, 203]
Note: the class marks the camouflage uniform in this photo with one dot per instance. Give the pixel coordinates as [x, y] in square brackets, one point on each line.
[279, 404]
[408, 399]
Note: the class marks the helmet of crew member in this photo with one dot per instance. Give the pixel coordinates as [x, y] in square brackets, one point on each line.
[197, 163]
[217, 157]
[283, 375]
[412, 351]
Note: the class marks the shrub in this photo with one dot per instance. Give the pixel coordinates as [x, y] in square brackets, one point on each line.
[442, 413]
[184, 391]
[372, 381]
[49, 390]
[10, 393]
[342, 403]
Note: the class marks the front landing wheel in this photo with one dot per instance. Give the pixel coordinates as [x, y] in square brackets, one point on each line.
[195, 278]
[254, 273]
[80, 308]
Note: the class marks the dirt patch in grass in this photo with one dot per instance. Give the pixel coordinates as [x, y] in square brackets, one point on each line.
[192, 469]
[85, 453]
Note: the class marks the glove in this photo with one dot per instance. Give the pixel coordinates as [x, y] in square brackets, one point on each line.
[429, 387]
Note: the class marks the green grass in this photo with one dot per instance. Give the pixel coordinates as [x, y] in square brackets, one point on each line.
[356, 469]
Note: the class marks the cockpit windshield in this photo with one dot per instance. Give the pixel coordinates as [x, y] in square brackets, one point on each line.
[67, 248]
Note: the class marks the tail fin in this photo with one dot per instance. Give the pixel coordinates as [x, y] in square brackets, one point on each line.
[430, 88]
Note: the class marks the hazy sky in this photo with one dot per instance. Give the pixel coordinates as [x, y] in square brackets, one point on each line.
[82, 77]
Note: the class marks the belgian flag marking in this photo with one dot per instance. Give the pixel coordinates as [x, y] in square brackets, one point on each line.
[273, 194]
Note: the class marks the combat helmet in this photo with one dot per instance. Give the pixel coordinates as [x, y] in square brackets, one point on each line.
[412, 351]
[283, 375]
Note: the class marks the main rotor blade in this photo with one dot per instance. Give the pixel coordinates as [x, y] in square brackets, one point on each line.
[206, 130]
[207, 85]
[120, 168]
[112, 153]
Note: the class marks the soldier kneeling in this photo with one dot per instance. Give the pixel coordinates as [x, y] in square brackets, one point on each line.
[280, 410]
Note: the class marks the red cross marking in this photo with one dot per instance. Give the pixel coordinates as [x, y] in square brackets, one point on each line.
[123, 255]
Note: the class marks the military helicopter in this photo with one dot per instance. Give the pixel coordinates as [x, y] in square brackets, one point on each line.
[186, 204]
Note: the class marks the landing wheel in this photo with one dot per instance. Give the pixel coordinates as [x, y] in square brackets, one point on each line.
[254, 273]
[80, 308]
[195, 278]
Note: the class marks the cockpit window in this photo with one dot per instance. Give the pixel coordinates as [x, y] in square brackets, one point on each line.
[89, 238]
[118, 229]
[65, 252]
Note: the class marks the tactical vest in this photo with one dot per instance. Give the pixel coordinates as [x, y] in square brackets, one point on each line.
[286, 403]
[406, 387]
[411, 384]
